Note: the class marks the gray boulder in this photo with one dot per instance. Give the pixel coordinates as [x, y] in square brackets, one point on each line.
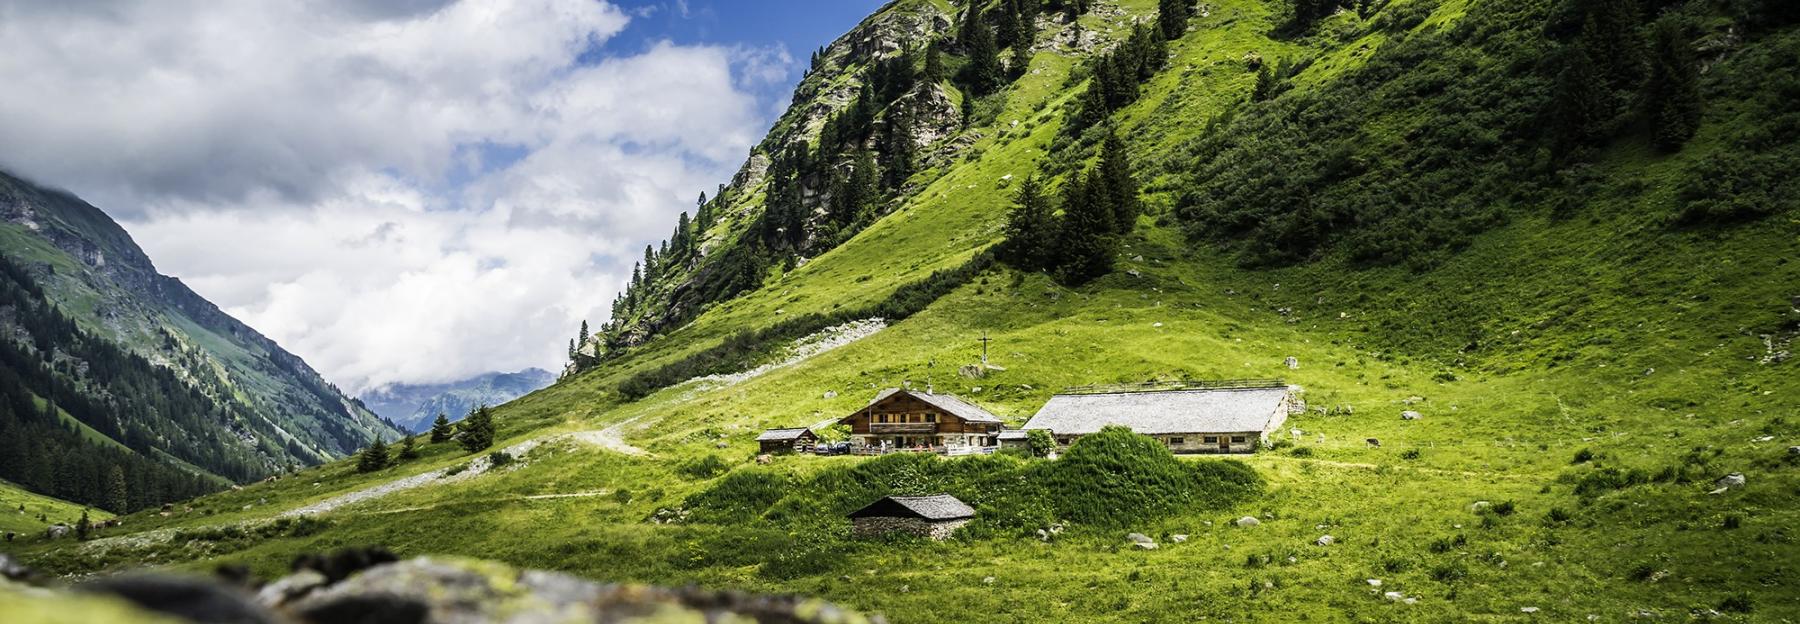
[1325, 540]
[1248, 521]
[1730, 481]
[1292, 362]
[1410, 415]
[57, 531]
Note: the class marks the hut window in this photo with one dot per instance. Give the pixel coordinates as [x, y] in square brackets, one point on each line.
[881, 418]
[1237, 439]
[1210, 439]
[1177, 441]
[931, 418]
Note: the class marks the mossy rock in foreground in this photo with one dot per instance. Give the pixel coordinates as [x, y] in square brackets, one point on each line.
[418, 590]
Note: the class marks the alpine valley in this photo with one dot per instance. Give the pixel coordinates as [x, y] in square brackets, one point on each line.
[1528, 271]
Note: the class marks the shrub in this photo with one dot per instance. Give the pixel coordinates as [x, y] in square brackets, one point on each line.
[1449, 572]
[1732, 521]
[1583, 456]
[1301, 451]
[1042, 445]
[1737, 603]
[500, 458]
[1115, 477]
[1505, 508]
[1410, 454]
[705, 467]
[1557, 516]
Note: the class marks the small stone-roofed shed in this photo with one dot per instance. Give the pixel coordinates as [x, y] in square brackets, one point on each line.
[1015, 438]
[798, 440]
[936, 516]
[1198, 420]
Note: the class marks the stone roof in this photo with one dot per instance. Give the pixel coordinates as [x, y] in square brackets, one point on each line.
[935, 507]
[947, 402]
[782, 434]
[1217, 410]
[1015, 434]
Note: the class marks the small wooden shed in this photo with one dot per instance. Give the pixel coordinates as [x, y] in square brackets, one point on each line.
[935, 516]
[798, 440]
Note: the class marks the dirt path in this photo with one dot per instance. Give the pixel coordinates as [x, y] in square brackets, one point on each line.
[611, 438]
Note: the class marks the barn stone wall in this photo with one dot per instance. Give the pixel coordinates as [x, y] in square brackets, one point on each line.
[870, 527]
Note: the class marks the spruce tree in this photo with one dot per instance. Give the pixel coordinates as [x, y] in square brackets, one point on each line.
[84, 527]
[440, 429]
[982, 74]
[1115, 185]
[373, 458]
[1265, 84]
[897, 148]
[1086, 243]
[408, 449]
[1673, 100]
[1580, 109]
[1030, 228]
[116, 499]
[478, 429]
[1172, 17]
[934, 62]
[1609, 33]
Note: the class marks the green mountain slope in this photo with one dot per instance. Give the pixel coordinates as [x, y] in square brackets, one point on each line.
[255, 410]
[1594, 334]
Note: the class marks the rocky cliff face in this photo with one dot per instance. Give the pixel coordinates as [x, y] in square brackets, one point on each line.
[95, 273]
[841, 71]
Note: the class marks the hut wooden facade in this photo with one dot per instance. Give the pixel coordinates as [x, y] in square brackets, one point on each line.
[905, 419]
[936, 517]
[798, 440]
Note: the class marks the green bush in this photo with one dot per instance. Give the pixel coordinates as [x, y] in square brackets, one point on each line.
[705, 467]
[1109, 479]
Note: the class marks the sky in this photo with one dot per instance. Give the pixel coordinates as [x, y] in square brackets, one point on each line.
[400, 191]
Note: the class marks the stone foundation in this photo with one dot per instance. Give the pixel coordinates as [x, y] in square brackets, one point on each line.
[871, 527]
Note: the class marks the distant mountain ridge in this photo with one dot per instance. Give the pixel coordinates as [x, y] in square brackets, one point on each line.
[272, 410]
[414, 406]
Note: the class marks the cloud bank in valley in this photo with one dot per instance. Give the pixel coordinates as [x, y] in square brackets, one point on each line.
[409, 191]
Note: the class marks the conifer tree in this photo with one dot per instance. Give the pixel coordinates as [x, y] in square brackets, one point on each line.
[1580, 110]
[478, 429]
[982, 74]
[1030, 228]
[1609, 33]
[1172, 17]
[1265, 84]
[1086, 243]
[116, 499]
[897, 148]
[373, 458]
[408, 449]
[440, 429]
[83, 527]
[934, 62]
[1114, 185]
[1673, 100]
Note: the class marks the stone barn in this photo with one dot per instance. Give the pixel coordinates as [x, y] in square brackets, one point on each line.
[935, 516]
[798, 440]
[1232, 417]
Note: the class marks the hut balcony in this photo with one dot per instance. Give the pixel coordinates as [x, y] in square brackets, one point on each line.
[881, 428]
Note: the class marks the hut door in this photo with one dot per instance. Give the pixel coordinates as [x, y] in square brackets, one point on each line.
[1224, 443]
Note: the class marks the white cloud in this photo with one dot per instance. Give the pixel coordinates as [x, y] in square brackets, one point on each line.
[397, 191]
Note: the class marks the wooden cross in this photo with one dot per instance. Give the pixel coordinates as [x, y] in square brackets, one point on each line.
[984, 348]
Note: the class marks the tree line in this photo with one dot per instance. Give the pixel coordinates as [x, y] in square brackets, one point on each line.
[474, 433]
[54, 375]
